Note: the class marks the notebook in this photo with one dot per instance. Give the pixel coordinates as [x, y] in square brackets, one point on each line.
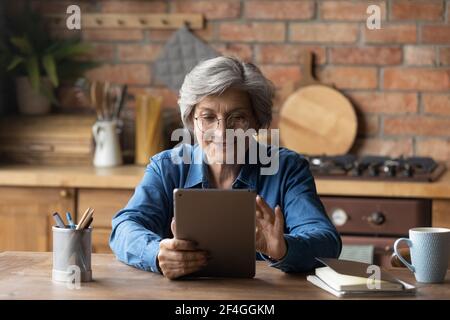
[350, 278]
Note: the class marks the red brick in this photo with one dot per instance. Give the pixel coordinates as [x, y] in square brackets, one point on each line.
[444, 56]
[436, 103]
[101, 52]
[324, 32]
[366, 55]
[133, 74]
[252, 31]
[384, 102]
[169, 97]
[112, 34]
[143, 7]
[350, 77]
[60, 6]
[281, 75]
[223, 9]
[383, 147]
[420, 56]
[349, 10]
[438, 149]
[368, 125]
[281, 10]
[58, 33]
[288, 53]
[417, 10]
[417, 79]
[241, 50]
[282, 93]
[436, 34]
[404, 33]
[207, 33]
[417, 126]
[138, 52]
[159, 35]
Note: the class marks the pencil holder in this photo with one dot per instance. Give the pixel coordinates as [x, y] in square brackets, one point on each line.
[72, 254]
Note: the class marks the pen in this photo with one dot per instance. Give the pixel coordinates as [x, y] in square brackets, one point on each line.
[59, 221]
[69, 220]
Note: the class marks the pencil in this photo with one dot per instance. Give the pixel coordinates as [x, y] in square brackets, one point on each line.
[83, 217]
[83, 224]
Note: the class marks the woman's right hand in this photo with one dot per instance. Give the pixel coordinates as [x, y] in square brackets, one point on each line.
[178, 257]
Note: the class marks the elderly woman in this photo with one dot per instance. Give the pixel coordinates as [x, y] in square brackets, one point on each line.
[292, 228]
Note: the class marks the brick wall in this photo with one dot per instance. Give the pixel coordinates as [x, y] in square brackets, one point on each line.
[398, 77]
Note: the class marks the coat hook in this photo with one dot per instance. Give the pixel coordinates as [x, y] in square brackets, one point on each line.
[121, 22]
[164, 22]
[99, 21]
[143, 21]
[187, 24]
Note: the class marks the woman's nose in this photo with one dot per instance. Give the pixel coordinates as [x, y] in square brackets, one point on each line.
[221, 129]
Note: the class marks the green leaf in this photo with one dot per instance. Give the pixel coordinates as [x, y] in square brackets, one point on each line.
[50, 68]
[22, 44]
[33, 72]
[70, 49]
[14, 63]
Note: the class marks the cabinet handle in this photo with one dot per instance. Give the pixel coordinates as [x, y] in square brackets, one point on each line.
[64, 193]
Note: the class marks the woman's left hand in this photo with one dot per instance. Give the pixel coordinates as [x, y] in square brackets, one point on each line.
[270, 230]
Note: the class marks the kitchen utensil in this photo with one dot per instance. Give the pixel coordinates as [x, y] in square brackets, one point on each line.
[148, 128]
[317, 119]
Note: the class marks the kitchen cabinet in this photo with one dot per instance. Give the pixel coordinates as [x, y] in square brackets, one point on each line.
[26, 220]
[25, 216]
[106, 204]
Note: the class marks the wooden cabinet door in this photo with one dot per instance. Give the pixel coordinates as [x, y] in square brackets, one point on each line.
[26, 216]
[106, 202]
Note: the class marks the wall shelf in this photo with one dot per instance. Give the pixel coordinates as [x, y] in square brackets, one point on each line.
[131, 21]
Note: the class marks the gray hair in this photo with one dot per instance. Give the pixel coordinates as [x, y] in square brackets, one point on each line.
[214, 76]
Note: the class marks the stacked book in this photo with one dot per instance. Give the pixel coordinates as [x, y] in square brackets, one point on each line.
[348, 278]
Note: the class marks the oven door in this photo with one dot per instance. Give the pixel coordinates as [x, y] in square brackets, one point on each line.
[376, 222]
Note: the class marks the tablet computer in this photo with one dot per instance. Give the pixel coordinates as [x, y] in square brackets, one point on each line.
[221, 222]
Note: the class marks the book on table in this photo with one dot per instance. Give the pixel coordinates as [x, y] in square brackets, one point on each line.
[350, 278]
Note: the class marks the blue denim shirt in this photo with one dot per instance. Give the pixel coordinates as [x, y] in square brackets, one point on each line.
[138, 228]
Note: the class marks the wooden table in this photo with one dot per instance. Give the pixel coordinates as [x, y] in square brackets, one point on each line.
[27, 275]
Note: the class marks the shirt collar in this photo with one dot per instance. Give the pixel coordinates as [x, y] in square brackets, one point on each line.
[198, 171]
[197, 174]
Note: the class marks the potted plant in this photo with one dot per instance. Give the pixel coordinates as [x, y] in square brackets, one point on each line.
[38, 62]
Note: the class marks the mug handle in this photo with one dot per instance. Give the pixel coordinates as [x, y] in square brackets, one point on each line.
[409, 243]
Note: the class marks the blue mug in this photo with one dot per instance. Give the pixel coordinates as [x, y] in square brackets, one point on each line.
[429, 248]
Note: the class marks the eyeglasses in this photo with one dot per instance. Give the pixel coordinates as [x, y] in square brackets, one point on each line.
[233, 121]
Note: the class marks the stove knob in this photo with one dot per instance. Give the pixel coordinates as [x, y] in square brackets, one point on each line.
[339, 217]
[390, 170]
[407, 170]
[376, 218]
[373, 170]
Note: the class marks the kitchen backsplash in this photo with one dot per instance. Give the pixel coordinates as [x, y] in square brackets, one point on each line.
[398, 77]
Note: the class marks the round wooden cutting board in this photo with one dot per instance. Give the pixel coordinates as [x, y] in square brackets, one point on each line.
[317, 119]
